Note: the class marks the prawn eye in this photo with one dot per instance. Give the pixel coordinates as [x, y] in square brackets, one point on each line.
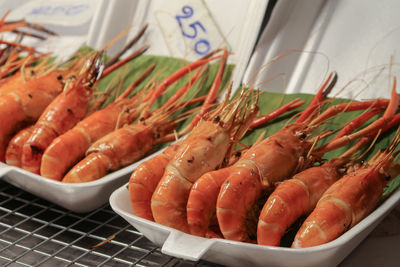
[302, 135]
[217, 118]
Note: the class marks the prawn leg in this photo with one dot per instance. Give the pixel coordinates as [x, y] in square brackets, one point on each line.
[373, 128]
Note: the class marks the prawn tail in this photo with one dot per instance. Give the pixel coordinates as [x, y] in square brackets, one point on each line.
[91, 168]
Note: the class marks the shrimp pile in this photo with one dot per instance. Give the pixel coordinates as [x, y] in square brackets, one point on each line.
[72, 138]
[39, 103]
[54, 101]
[159, 188]
[199, 186]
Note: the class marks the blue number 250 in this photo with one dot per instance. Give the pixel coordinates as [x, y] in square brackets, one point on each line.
[201, 46]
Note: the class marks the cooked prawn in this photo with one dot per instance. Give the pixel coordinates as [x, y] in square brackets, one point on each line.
[258, 169]
[32, 91]
[203, 150]
[63, 113]
[25, 97]
[348, 200]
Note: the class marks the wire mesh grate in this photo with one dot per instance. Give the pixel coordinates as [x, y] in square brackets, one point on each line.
[35, 232]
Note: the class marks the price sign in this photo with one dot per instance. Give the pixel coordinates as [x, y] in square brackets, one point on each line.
[55, 12]
[188, 29]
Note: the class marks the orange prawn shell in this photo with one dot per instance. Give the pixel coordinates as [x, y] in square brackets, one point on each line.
[111, 152]
[342, 206]
[70, 147]
[276, 157]
[318, 179]
[17, 81]
[205, 145]
[61, 115]
[12, 120]
[36, 94]
[236, 197]
[57, 158]
[144, 181]
[11, 83]
[202, 200]
[362, 194]
[14, 148]
[292, 199]
[116, 147]
[24, 104]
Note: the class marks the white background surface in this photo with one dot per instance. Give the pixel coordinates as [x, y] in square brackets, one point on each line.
[358, 39]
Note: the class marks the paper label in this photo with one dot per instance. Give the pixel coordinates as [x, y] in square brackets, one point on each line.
[188, 29]
[56, 12]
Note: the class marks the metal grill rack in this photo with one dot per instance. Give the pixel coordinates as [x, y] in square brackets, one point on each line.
[35, 232]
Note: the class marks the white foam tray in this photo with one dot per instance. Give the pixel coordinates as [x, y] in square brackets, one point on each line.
[231, 253]
[77, 197]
